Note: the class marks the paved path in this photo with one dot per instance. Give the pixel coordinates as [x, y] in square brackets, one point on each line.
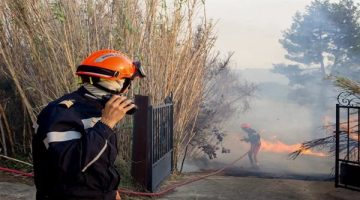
[252, 188]
[18, 191]
[226, 187]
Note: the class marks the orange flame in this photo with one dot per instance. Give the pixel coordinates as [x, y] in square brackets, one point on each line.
[279, 147]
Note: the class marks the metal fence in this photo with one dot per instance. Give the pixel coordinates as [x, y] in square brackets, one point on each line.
[152, 143]
[161, 129]
[347, 154]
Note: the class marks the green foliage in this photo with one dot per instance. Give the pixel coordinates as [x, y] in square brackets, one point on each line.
[308, 37]
[326, 36]
[58, 11]
[323, 40]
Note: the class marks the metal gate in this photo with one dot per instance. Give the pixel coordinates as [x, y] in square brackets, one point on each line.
[347, 152]
[152, 142]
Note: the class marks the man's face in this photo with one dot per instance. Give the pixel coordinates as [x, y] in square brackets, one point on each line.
[125, 84]
[120, 83]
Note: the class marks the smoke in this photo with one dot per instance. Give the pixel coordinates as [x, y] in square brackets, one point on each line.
[281, 122]
[225, 94]
[292, 109]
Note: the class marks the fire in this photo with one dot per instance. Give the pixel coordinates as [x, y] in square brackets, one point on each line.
[279, 147]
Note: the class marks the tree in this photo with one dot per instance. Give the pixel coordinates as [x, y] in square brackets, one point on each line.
[346, 39]
[325, 37]
[308, 39]
[323, 40]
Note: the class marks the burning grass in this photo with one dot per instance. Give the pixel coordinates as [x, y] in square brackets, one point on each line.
[346, 133]
[349, 135]
[349, 127]
[280, 147]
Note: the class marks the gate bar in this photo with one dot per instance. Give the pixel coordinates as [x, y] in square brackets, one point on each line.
[337, 145]
[348, 133]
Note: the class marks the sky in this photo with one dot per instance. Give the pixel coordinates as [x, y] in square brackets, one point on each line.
[252, 29]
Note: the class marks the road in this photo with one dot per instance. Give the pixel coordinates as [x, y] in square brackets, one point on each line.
[226, 188]
[254, 188]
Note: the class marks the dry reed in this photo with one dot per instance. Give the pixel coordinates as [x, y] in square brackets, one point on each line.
[42, 42]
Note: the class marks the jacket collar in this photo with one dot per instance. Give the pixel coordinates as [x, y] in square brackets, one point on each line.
[89, 98]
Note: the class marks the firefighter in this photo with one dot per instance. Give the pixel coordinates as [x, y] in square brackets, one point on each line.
[255, 143]
[75, 146]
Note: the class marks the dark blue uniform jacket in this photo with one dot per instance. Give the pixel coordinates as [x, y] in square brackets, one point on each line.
[73, 152]
[254, 137]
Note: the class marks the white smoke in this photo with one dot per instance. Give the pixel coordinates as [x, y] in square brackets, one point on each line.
[275, 118]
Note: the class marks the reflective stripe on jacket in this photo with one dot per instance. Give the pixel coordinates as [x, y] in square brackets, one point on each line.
[73, 152]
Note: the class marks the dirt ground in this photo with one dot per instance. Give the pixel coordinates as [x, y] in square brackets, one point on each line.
[217, 187]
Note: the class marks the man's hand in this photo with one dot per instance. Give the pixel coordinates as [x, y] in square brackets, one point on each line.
[115, 110]
[118, 196]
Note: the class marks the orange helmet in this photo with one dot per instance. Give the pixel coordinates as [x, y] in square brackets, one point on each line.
[245, 125]
[110, 65]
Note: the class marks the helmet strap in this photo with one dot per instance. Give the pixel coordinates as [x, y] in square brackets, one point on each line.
[126, 85]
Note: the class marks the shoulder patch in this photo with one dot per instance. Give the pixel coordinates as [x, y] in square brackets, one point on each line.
[67, 103]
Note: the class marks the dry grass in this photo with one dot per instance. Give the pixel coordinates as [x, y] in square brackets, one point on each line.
[328, 143]
[348, 85]
[43, 41]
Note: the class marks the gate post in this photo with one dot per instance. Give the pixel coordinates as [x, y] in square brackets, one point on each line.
[152, 152]
[337, 141]
[141, 142]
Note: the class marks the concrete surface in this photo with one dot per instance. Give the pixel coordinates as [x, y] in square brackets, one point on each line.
[252, 188]
[18, 191]
[226, 188]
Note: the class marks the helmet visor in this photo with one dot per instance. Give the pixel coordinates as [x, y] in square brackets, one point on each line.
[140, 72]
